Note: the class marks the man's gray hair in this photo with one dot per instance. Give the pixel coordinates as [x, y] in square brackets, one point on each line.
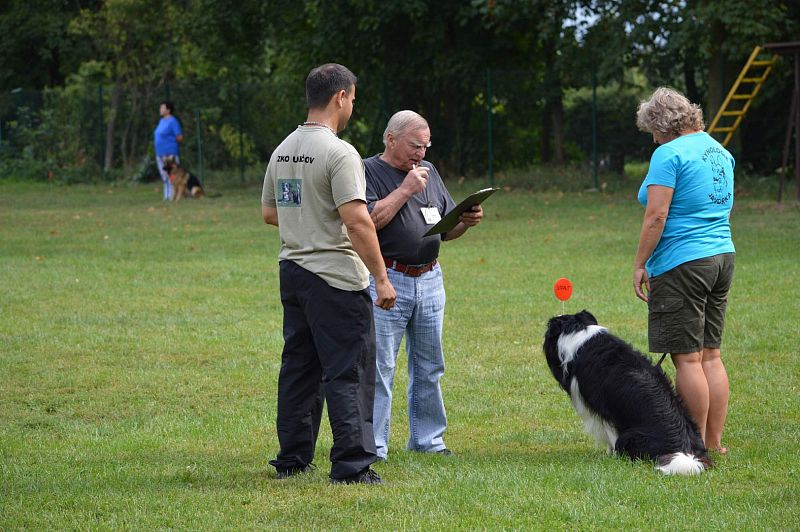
[402, 122]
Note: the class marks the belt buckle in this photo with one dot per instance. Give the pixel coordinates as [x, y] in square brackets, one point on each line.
[411, 271]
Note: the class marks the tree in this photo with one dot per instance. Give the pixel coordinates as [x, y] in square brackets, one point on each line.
[440, 58]
[617, 135]
[36, 50]
[700, 45]
[223, 39]
[128, 38]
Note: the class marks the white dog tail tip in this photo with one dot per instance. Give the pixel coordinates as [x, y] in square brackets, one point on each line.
[680, 464]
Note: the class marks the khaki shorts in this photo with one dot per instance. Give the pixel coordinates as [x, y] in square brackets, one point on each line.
[687, 305]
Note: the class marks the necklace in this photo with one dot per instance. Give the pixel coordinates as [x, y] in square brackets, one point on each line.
[319, 124]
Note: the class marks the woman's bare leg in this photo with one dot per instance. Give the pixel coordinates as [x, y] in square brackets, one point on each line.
[718, 395]
[692, 386]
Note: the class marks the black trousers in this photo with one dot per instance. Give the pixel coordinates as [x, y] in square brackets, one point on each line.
[329, 351]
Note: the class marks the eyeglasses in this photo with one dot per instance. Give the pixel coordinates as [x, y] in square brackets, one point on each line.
[416, 146]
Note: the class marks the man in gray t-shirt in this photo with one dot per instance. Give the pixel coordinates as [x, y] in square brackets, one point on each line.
[314, 191]
[405, 197]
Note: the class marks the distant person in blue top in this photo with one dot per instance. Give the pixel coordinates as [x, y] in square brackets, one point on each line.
[168, 134]
[685, 258]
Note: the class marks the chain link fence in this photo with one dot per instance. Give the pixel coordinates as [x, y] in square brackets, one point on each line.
[488, 125]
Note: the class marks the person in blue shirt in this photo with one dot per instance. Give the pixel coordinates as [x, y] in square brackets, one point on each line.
[685, 259]
[167, 136]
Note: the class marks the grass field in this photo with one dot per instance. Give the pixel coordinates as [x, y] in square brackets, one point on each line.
[140, 346]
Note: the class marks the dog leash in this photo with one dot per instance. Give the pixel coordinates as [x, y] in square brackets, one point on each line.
[662, 360]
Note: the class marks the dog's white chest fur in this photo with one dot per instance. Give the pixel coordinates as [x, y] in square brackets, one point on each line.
[600, 429]
[568, 345]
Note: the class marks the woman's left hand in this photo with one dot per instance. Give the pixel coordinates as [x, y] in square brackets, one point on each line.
[640, 282]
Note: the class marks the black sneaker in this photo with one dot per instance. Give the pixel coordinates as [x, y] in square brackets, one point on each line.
[445, 452]
[286, 472]
[368, 476]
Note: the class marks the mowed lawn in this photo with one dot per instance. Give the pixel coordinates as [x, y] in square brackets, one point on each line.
[140, 346]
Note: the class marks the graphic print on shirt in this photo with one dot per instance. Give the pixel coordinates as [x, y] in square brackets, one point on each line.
[716, 158]
[289, 193]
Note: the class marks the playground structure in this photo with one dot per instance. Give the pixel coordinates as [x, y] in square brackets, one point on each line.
[744, 90]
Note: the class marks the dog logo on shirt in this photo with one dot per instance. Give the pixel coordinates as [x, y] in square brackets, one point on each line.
[289, 193]
[716, 159]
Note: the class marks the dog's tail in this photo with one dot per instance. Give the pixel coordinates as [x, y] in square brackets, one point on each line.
[682, 464]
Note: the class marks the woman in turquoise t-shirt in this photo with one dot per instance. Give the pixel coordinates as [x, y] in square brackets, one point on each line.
[167, 135]
[685, 258]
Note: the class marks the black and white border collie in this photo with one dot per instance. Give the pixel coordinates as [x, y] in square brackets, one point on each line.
[625, 401]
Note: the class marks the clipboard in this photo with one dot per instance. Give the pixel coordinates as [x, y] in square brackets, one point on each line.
[450, 220]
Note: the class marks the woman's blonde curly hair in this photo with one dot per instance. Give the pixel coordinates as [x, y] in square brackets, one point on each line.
[669, 112]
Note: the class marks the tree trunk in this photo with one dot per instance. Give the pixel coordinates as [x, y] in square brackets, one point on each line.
[616, 162]
[722, 73]
[691, 84]
[553, 118]
[129, 143]
[547, 112]
[116, 92]
[716, 89]
[553, 122]
[557, 116]
[545, 138]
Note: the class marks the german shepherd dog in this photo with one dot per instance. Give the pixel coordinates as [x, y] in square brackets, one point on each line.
[627, 403]
[184, 183]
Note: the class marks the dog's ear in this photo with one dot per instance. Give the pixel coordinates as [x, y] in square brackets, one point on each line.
[586, 317]
[555, 326]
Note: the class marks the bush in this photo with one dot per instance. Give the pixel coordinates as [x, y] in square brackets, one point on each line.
[46, 140]
[618, 138]
[25, 169]
[565, 178]
[147, 171]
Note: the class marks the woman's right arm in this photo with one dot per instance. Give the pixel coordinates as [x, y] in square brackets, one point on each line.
[659, 199]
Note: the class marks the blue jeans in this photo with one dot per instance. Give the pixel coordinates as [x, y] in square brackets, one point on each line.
[165, 176]
[419, 315]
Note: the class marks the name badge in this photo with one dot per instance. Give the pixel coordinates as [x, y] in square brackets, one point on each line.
[431, 215]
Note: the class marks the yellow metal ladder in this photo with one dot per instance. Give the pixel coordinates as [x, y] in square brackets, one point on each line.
[741, 95]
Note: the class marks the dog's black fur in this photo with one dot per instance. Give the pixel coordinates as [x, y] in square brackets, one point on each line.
[192, 184]
[619, 392]
[184, 183]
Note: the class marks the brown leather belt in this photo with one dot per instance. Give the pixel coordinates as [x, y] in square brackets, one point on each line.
[411, 271]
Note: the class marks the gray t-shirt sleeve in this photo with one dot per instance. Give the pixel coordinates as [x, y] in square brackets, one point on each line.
[347, 176]
[268, 191]
[402, 238]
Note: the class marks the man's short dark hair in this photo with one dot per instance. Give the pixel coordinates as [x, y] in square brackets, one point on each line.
[325, 81]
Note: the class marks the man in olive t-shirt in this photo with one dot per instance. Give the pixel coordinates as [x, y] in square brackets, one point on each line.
[315, 192]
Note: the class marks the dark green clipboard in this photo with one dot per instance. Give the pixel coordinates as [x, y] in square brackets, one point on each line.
[450, 220]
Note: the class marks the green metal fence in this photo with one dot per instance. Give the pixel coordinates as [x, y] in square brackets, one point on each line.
[486, 124]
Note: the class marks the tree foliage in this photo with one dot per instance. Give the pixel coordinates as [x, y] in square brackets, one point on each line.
[36, 50]
[528, 64]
